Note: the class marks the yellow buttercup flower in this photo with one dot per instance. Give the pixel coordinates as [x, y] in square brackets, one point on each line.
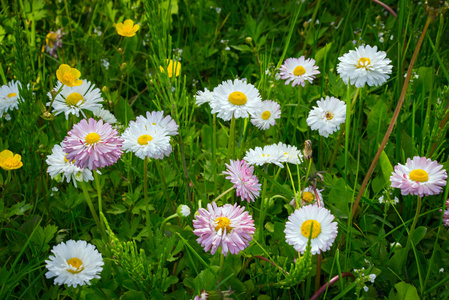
[68, 76]
[172, 68]
[9, 161]
[127, 28]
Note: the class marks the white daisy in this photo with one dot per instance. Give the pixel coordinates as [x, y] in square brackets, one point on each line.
[104, 114]
[148, 140]
[75, 99]
[364, 65]
[308, 196]
[291, 154]
[299, 70]
[327, 116]
[267, 115]
[74, 263]
[157, 118]
[205, 96]
[9, 96]
[60, 168]
[270, 154]
[235, 98]
[299, 226]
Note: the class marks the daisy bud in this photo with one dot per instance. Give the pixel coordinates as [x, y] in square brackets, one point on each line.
[248, 40]
[105, 89]
[183, 211]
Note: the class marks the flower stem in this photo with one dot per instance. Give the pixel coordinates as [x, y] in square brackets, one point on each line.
[224, 193]
[92, 210]
[98, 186]
[145, 192]
[412, 229]
[393, 120]
[331, 282]
[167, 219]
[231, 142]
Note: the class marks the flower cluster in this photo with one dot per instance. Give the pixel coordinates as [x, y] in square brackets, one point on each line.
[274, 154]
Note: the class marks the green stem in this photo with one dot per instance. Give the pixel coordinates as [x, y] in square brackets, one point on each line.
[231, 141]
[412, 229]
[92, 210]
[98, 186]
[167, 219]
[224, 193]
[262, 209]
[145, 192]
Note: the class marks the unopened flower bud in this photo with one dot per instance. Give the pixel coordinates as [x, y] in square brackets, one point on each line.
[183, 211]
[248, 40]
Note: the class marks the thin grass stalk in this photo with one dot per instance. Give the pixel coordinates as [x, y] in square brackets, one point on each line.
[393, 120]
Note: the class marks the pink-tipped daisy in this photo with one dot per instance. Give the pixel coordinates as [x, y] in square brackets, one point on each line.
[299, 70]
[245, 182]
[93, 144]
[299, 227]
[419, 176]
[229, 227]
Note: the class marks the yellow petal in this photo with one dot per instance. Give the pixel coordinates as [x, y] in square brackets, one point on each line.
[78, 82]
[136, 27]
[75, 73]
[5, 154]
[129, 23]
[17, 157]
[119, 26]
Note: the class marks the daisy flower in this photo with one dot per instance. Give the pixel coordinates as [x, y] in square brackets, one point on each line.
[157, 118]
[299, 227]
[229, 227]
[308, 196]
[419, 176]
[267, 155]
[245, 182]
[291, 154]
[150, 141]
[127, 28]
[74, 263]
[93, 144]
[10, 161]
[105, 114]
[9, 96]
[73, 100]
[267, 115]
[235, 98]
[60, 168]
[205, 96]
[299, 70]
[363, 66]
[327, 116]
[68, 76]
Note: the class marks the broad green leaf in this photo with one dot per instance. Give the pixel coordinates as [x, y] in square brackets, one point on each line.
[386, 166]
[405, 292]
[133, 295]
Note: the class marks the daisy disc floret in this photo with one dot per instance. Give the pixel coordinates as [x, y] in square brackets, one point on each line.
[235, 98]
[267, 115]
[60, 168]
[10, 161]
[150, 141]
[419, 176]
[76, 99]
[245, 182]
[299, 70]
[93, 144]
[74, 263]
[229, 227]
[299, 227]
[327, 116]
[364, 65]
[68, 76]
[127, 28]
[9, 96]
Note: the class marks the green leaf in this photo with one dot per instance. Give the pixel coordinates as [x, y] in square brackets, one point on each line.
[320, 53]
[116, 209]
[419, 234]
[405, 292]
[133, 295]
[19, 209]
[242, 48]
[386, 166]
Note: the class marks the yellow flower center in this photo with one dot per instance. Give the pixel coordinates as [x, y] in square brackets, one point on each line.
[92, 138]
[266, 115]
[75, 263]
[419, 175]
[308, 197]
[299, 70]
[237, 98]
[74, 98]
[223, 223]
[364, 62]
[68, 77]
[306, 227]
[328, 115]
[10, 95]
[144, 139]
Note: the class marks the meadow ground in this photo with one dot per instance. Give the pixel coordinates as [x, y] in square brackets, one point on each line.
[224, 149]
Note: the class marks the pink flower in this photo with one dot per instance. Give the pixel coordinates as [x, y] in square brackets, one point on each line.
[419, 176]
[227, 226]
[93, 144]
[446, 214]
[241, 175]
